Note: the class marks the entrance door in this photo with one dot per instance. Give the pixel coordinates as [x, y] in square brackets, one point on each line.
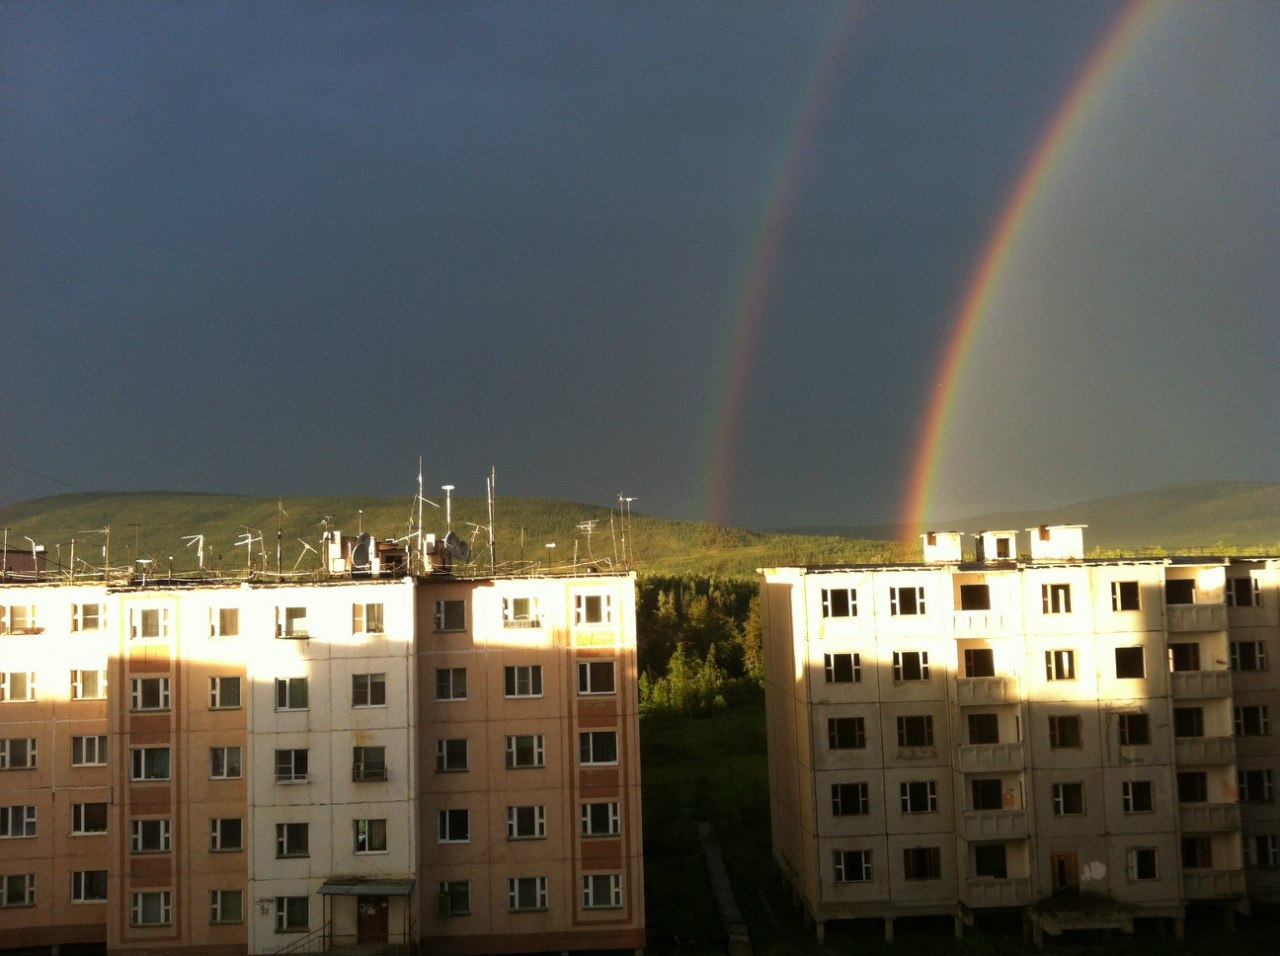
[372, 919]
[1065, 874]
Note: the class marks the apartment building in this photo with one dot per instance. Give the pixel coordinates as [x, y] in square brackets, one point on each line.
[232, 768]
[1088, 740]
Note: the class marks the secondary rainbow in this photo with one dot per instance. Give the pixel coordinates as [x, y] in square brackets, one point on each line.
[1100, 70]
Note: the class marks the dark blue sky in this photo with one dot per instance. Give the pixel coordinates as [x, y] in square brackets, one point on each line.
[287, 248]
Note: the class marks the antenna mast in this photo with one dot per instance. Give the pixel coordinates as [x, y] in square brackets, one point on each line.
[493, 538]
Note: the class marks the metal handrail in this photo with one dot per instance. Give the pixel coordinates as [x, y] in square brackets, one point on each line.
[296, 946]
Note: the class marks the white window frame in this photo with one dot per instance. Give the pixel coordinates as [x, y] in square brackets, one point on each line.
[834, 669]
[848, 603]
[142, 690]
[224, 622]
[446, 755]
[1132, 863]
[89, 684]
[151, 836]
[286, 694]
[520, 611]
[522, 680]
[140, 763]
[853, 866]
[286, 914]
[601, 891]
[293, 840]
[219, 904]
[368, 762]
[910, 793]
[81, 825]
[18, 889]
[453, 825]
[454, 898]
[593, 610]
[140, 903]
[1264, 850]
[1134, 793]
[84, 884]
[537, 745]
[291, 623]
[225, 838]
[291, 769]
[445, 609]
[220, 692]
[1118, 597]
[449, 685]
[21, 619]
[369, 690]
[1254, 589]
[1060, 802]
[1258, 656]
[909, 666]
[17, 822]
[368, 618]
[1251, 720]
[8, 759]
[906, 721]
[226, 756]
[145, 620]
[84, 619]
[850, 799]
[589, 816]
[899, 606]
[1060, 664]
[1055, 598]
[1263, 789]
[591, 741]
[590, 674]
[25, 693]
[527, 894]
[370, 836]
[527, 822]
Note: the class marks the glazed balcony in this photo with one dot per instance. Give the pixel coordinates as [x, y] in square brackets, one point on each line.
[1204, 751]
[1208, 817]
[1212, 884]
[990, 758]
[1196, 617]
[984, 691]
[1191, 684]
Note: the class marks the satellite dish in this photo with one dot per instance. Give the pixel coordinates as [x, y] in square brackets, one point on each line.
[360, 557]
[457, 547]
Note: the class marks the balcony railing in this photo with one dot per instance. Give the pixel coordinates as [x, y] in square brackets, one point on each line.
[977, 691]
[995, 825]
[986, 758]
[1208, 817]
[985, 891]
[1204, 751]
[1196, 617]
[1212, 884]
[983, 624]
[1187, 684]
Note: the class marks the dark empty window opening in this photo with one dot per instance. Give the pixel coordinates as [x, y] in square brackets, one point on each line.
[1180, 591]
[975, 597]
[979, 662]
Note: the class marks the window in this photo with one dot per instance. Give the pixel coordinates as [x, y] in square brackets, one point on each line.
[989, 860]
[975, 597]
[367, 619]
[1248, 656]
[1252, 721]
[224, 763]
[150, 693]
[224, 693]
[150, 909]
[18, 753]
[1138, 796]
[1135, 730]
[918, 796]
[88, 685]
[291, 693]
[1140, 863]
[1264, 850]
[1184, 656]
[88, 886]
[86, 617]
[987, 793]
[525, 750]
[149, 836]
[922, 863]
[842, 668]
[148, 622]
[984, 728]
[1055, 598]
[1180, 591]
[455, 897]
[291, 766]
[1068, 799]
[596, 677]
[451, 755]
[592, 609]
[89, 751]
[1243, 592]
[853, 866]
[526, 823]
[1255, 786]
[18, 685]
[979, 662]
[527, 893]
[1124, 596]
[850, 800]
[17, 821]
[597, 747]
[846, 733]
[293, 914]
[451, 683]
[18, 889]
[1060, 665]
[910, 665]
[371, 836]
[88, 818]
[523, 680]
[149, 763]
[226, 906]
[21, 619]
[906, 601]
[1188, 721]
[915, 730]
[1130, 663]
[600, 819]
[1193, 787]
[368, 690]
[1064, 732]
[226, 834]
[520, 612]
[839, 602]
[602, 891]
[224, 622]
[368, 763]
[451, 616]
[1197, 852]
[292, 839]
[291, 622]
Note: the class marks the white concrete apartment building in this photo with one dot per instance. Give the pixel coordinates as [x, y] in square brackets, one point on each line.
[1000, 732]
[212, 769]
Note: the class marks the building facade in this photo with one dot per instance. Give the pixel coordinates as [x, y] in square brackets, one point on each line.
[243, 768]
[1086, 739]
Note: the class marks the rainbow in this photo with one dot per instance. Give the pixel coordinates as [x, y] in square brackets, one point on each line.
[1071, 116]
[747, 317]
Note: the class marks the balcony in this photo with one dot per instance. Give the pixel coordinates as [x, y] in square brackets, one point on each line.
[1204, 751]
[983, 624]
[1208, 817]
[1196, 617]
[983, 691]
[1191, 684]
[984, 891]
[988, 825]
[1212, 884]
[990, 758]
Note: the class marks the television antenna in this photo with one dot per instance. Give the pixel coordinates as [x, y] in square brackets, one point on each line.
[145, 562]
[588, 526]
[305, 548]
[198, 541]
[628, 545]
[281, 514]
[247, 541]
[35, 563]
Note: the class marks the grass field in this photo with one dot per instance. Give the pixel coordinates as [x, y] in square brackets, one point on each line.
[714, 769]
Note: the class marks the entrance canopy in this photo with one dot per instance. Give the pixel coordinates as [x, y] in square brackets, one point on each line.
[366, 887]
